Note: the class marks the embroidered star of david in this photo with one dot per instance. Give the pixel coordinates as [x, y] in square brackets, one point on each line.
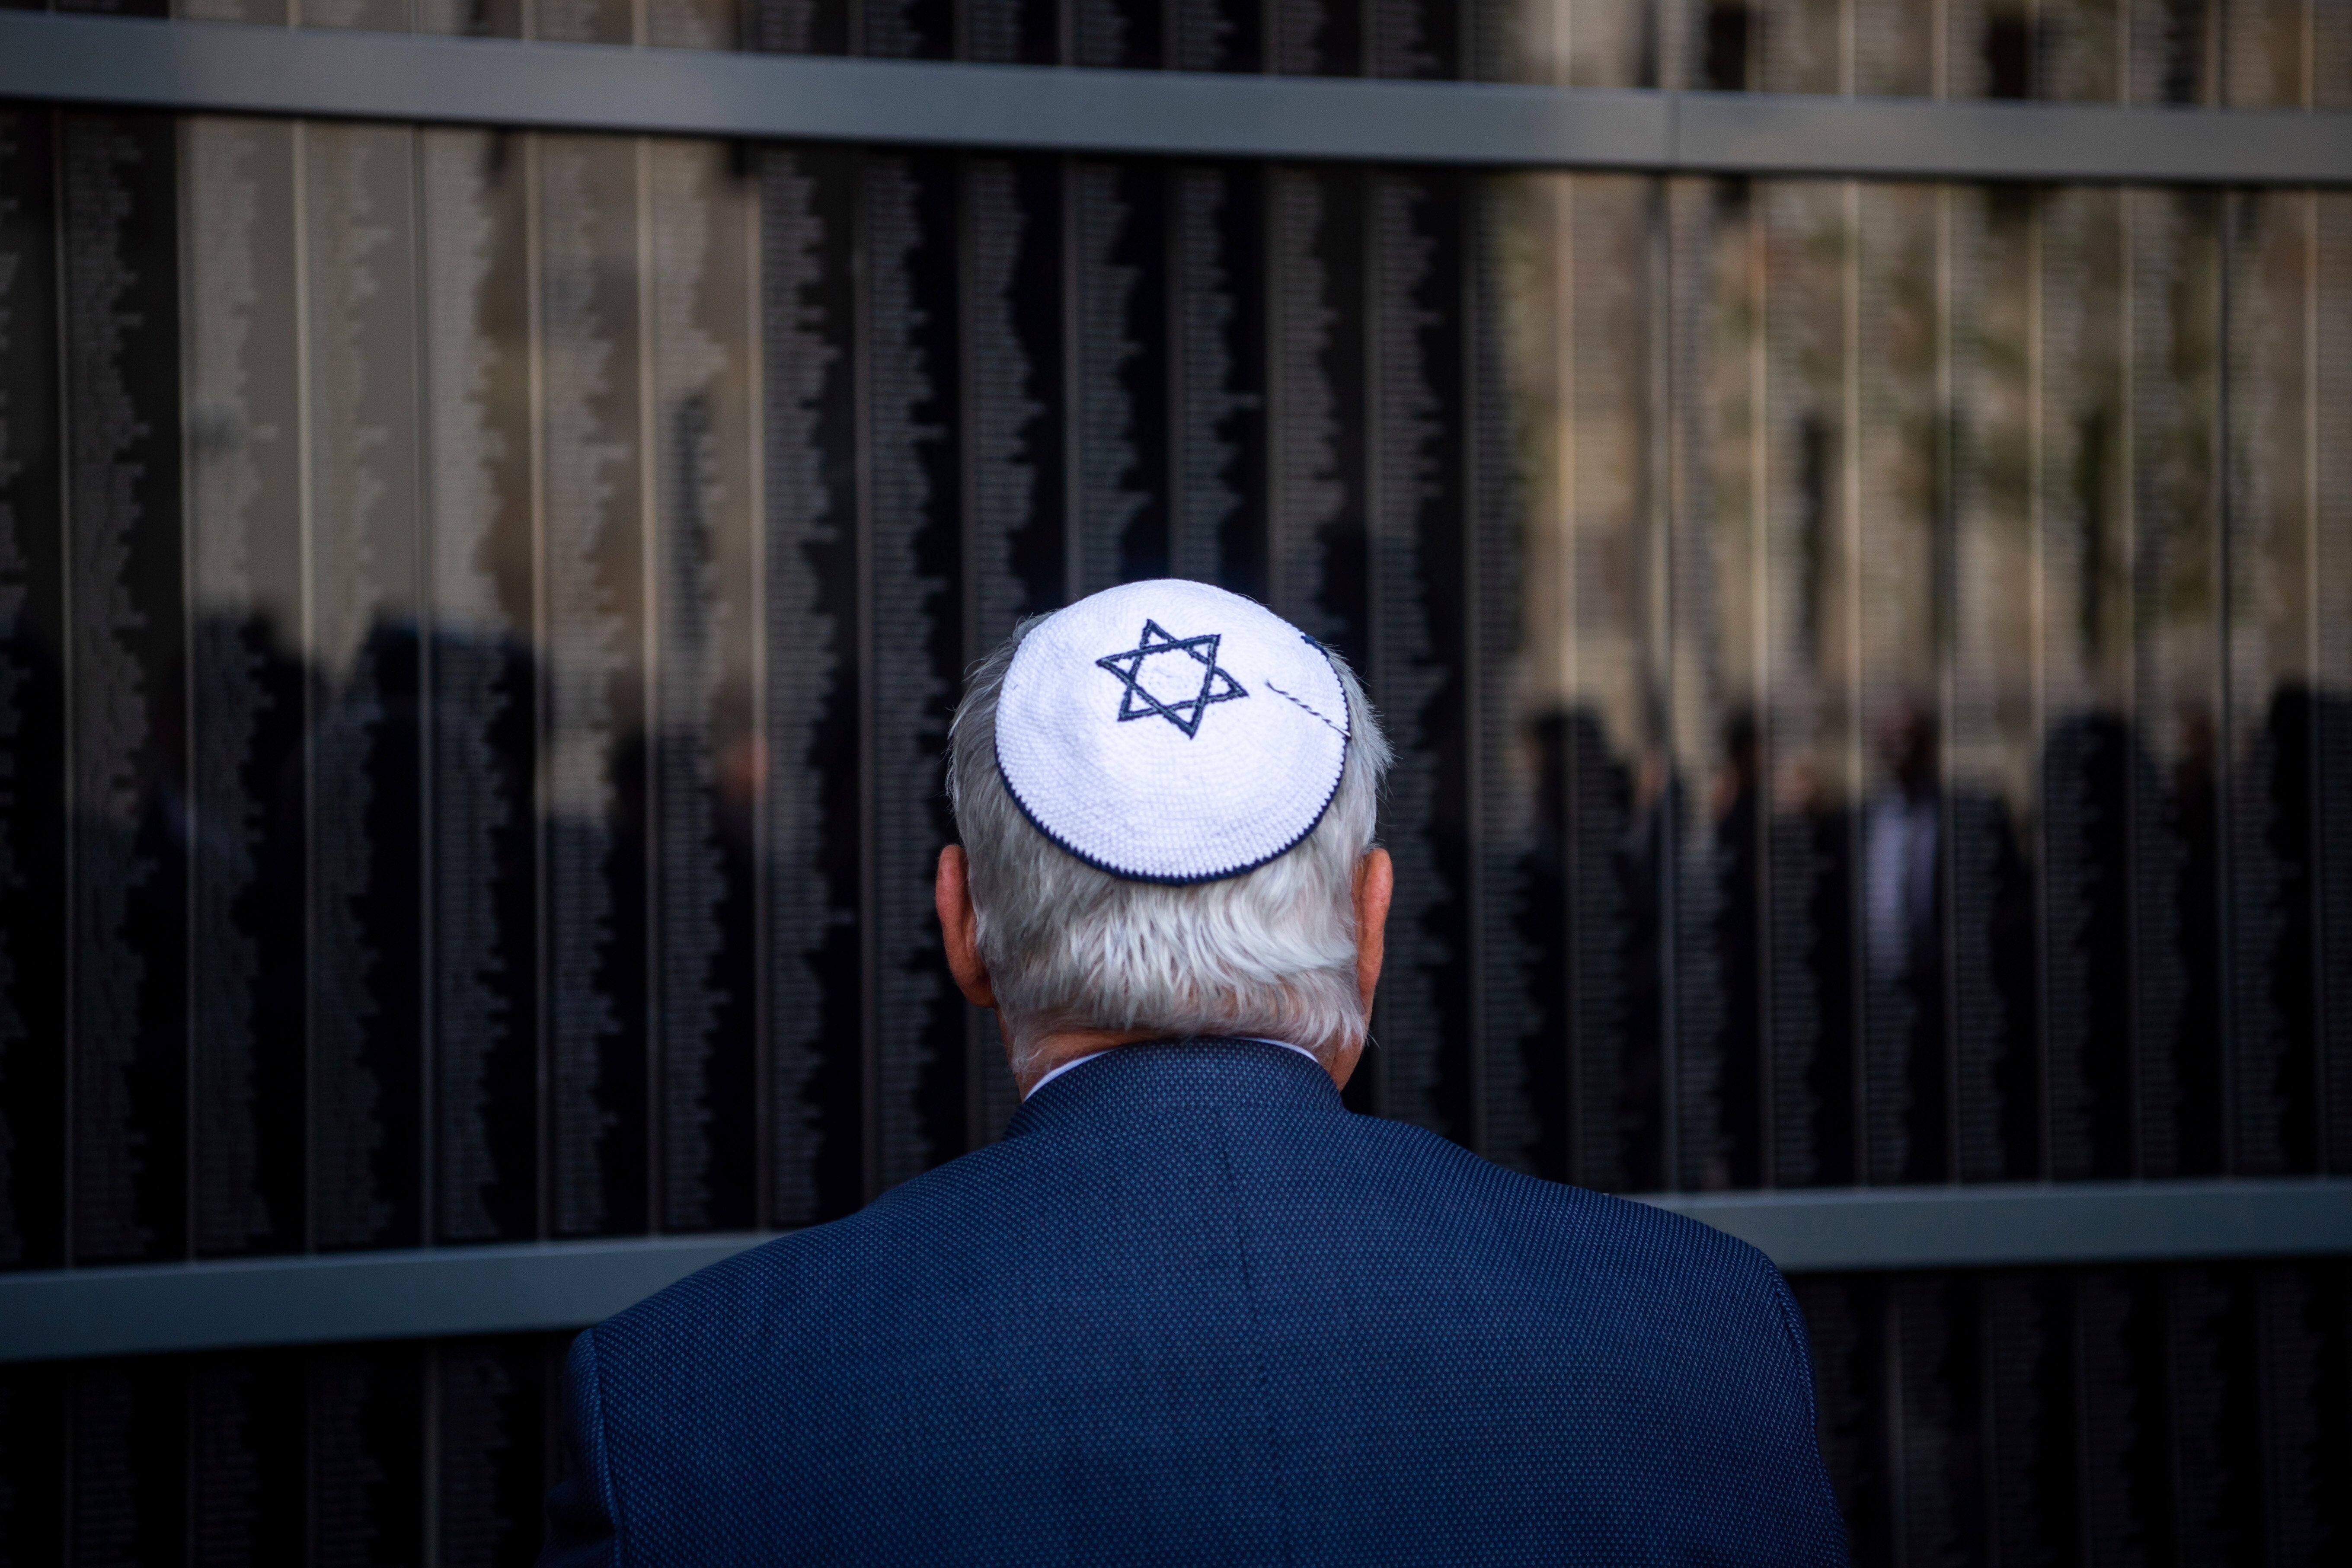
[1140, 701]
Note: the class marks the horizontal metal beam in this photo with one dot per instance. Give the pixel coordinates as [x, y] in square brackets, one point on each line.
[227, 69]
[2020, 1224]
[511, 1289]
[429, 1293]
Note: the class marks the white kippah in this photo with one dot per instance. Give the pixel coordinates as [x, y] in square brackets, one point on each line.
[1171, 731]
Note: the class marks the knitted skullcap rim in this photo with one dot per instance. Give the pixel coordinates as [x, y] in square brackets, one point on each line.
[1347, 743]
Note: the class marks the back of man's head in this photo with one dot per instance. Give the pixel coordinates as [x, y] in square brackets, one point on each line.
[1157, 837]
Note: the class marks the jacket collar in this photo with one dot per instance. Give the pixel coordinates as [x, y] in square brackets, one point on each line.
[1206, 1070]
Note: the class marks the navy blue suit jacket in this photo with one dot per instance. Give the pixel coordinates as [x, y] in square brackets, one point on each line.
[1193, 1310]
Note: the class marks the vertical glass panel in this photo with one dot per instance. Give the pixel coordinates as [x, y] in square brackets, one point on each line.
[365, 730]
[1895, 541]
[34, 839]
[589, 303]
[1414, 477]
[479, 375]
[1596, 691]
[1513, 915]
[246, 689]
[913, 526]
[1992, 985]
[2272, 717]
[1808, 614]
[1717, 931]
[1016, 476]
[2082, 493]
[126, 723]
[811, 804]
[1533, 1125]
[2172, 350]
[704, 726]
[2328, 481]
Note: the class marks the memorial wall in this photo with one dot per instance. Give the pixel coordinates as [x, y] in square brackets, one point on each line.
[1871, 667]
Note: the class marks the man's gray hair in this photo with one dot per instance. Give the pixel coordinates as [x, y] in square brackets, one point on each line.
[1270, 952]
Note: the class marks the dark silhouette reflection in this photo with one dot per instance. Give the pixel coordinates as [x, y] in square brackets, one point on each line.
[2181, 919]
[1993, 995]
[2278, 970]
[33, 1048]
[1772, 988]
[1594, 896]
[1725, 1131]
[2086, 763]
[365, 998]
[704, 863]
[1808, 1003]
[486, 935]
[1903, 930]
[247, 840]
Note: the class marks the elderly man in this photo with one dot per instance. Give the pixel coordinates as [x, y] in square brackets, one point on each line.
[1191, 1309]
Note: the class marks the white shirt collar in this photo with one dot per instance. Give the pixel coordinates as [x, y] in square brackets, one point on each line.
[1081, 1061]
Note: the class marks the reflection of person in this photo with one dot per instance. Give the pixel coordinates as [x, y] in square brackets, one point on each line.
[1903, 939]
[1735, 933]
[1191, 1309]
[1899, 856]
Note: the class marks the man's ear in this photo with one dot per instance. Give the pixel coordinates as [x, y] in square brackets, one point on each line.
[960, 928]
[1375, 884]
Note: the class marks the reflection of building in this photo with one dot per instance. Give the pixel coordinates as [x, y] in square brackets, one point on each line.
[1872, 659]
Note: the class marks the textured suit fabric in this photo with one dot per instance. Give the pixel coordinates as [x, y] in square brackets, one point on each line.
[1191, 1309]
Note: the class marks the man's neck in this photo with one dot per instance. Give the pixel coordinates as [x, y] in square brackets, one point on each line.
[1066, 1045]
[1050, 1074]
[1069, 1046]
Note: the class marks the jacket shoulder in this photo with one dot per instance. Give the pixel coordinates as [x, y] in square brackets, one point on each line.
[1588, 1246]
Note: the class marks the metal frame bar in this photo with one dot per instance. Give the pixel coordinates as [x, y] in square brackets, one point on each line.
[222, 68]
[567, 1285]
[342, 1297]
